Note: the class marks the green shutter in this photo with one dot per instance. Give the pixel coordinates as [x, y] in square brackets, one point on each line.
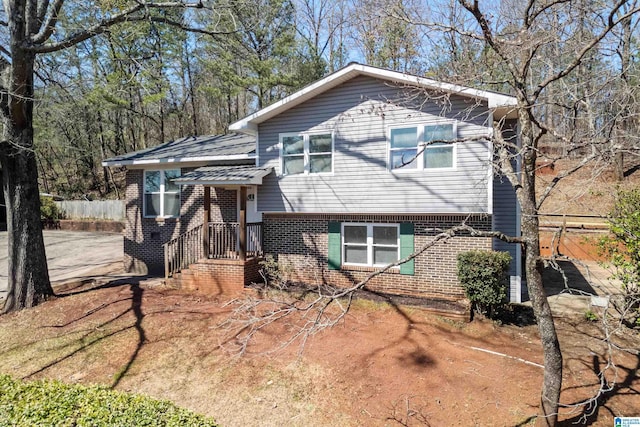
[406, 248]
[334, 255]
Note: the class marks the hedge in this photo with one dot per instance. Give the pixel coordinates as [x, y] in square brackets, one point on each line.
[52, 403]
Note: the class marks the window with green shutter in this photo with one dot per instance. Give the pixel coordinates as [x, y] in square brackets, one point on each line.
[334, 257]
[372, 245]
[407, 247]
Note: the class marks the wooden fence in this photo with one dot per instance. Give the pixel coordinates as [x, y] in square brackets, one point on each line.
[97, 209]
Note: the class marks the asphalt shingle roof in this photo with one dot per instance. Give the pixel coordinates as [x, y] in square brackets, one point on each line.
[191, 148]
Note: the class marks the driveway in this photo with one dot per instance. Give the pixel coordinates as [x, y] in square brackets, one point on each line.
[70, 254]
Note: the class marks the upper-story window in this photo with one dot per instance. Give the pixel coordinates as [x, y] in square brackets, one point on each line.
[306, 153]
[161, 196]
[422, 147]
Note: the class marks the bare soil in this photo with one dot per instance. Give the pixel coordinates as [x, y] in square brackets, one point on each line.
[383, 365]
[589, 191]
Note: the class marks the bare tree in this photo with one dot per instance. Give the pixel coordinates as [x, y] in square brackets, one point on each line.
[321, 25]
[516, 36]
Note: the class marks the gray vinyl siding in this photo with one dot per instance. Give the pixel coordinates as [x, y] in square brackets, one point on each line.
[505, 217]
[360, 113]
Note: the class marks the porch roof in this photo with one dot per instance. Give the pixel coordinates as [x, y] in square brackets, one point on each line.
[224, 176]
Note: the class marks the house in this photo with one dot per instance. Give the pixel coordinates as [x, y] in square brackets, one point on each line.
[335, 180]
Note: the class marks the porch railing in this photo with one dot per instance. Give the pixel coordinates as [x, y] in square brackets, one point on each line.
[183, 250]
[224, 240]
[218, 241]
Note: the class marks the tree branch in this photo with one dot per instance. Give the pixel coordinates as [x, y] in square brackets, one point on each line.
[41, 10]
[4, 93]
[253, 315]
[128, 15]
[50, 24]
[531, 15]
[5, 51]
[488, 38]
[612, 22]
[163, 20]
[507, 151]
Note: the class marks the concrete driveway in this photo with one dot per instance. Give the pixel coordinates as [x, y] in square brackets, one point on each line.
[70, 254]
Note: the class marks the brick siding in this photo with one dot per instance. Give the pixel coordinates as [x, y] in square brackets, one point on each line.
[144, 237]
[299, 243]
[217, 277]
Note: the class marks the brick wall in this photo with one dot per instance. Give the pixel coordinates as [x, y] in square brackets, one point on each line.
[216, 277]
[299, 243]
[144, 237]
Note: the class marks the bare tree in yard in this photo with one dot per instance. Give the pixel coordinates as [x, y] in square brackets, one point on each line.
[29, 28]
[517, 36]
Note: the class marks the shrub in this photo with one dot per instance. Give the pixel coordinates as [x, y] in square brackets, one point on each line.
[273, 273]
[590, 316]
[483, 275]
[49, 211]
[40, 403]
[622, 248]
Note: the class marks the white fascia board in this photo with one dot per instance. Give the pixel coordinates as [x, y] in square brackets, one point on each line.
[178, 160]
[223, 183]
[493, 99]
[249, 123]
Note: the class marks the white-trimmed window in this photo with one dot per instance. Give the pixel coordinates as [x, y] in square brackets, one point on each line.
[161, 196]
[423, 147]
[370, 244]
[306, 153]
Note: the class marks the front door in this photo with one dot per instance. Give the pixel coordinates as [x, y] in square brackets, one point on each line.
[253, 216]
[252, 205]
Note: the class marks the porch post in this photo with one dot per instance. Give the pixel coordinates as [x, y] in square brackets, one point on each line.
[206, 201]
[243, 223]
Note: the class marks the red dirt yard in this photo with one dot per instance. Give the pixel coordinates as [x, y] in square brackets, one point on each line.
[381, 366]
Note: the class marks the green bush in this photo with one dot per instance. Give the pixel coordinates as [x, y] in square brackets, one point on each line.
[52, 403]
[483, 275]
[49, 211]
[622, 248]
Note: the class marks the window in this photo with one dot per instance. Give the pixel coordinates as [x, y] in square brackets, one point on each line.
[306, 154]
[161, 196]
[370, 244]
[438, 154]
[415, 147]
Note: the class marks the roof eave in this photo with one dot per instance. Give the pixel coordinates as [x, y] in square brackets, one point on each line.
[178, 160]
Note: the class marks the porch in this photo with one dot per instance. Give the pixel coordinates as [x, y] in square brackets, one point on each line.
[215, 241]
[219, 257]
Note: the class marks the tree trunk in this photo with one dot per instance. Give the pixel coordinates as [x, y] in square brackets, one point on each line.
[552, 380]
[28, 276]
[619, 165]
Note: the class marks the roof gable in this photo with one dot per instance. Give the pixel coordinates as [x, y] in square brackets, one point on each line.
[498, 102]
